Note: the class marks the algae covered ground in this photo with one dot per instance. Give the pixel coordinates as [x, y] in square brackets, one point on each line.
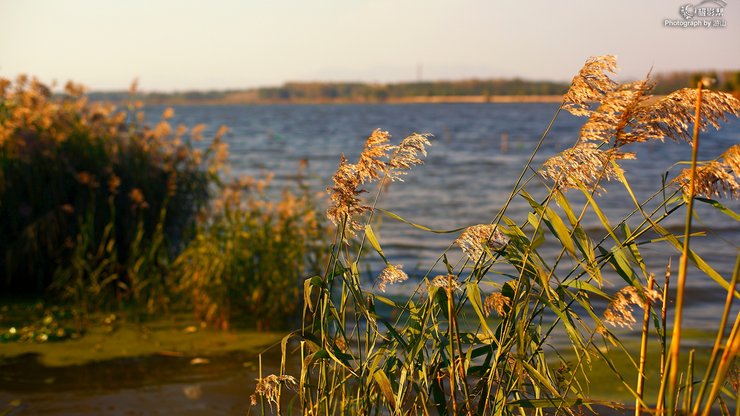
[117, 365]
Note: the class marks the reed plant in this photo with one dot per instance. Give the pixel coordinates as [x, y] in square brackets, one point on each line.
[506, 329]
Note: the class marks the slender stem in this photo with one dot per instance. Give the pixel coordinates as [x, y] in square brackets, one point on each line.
[689, 389]
[663, 358]
[643, 348]
[450, 339]
[681, 283]
[728, 356]
[720, 335]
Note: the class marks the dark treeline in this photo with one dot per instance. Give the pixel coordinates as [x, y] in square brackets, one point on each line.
[302, 91]
[305, 92]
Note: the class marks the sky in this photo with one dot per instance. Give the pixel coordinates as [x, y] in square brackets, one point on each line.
[177, 45]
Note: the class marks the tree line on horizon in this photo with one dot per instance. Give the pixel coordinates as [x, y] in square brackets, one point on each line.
[312, 92]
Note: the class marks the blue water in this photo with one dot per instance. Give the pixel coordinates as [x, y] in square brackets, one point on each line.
[467, 176]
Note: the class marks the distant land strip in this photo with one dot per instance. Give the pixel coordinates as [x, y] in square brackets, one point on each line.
[461, 91]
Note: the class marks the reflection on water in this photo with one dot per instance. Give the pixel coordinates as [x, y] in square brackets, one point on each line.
[155, 384]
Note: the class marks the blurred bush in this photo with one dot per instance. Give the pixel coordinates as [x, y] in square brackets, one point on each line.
[100, 210]
[250, 254]
[92, 200]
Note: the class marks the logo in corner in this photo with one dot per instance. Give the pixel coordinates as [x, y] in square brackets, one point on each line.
[707, 8]
[705, 14]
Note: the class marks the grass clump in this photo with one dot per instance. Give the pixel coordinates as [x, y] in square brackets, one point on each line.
[445, 351]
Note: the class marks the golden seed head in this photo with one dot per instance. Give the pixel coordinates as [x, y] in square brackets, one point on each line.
[731, 158]
[445, 282]
[619, 310]
[390, 275]
[407, 153]
[614, 117]
[197, 132]
[496, 301]
[137, 197]
[479, 239]
[113, 183]
[371, 165]
[590, 84]
[269, 388]
[673, 116]
[86, 178]
[584, 164]
[712, 180]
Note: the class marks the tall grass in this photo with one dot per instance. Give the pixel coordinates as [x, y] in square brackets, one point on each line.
[485, 337]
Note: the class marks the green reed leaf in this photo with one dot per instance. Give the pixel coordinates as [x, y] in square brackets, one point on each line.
[474, 297]
[721, 208]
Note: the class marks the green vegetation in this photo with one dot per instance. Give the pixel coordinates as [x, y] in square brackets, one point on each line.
[507, 330]
[104, 213]
[112, 337]
[248, 258]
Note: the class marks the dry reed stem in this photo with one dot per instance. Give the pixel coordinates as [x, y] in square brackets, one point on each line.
[643, 348]
[683, 264]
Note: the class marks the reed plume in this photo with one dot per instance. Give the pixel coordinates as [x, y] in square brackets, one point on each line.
[376, 162]
[614, 118]
[731, 158]
[477, 240]
[390, 275]
[269, 388]
[371, 165]
[584, 164]
[712, 180]
[619, 310]
[445, 281]
[496, 301]
[590, 84]
[345, 205]
[407, 153]
[673, 115]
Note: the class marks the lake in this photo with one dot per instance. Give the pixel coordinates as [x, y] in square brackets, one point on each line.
[467, 175]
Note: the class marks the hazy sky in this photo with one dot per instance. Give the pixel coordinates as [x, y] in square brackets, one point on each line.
[217, 44]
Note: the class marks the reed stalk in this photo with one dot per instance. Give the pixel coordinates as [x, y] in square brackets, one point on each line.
[643, 350]
[683, 262]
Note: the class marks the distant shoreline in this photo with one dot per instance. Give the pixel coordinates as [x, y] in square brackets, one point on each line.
[440, 99]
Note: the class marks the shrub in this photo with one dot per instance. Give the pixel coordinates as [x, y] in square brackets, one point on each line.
[94, 201]
[249, 255]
